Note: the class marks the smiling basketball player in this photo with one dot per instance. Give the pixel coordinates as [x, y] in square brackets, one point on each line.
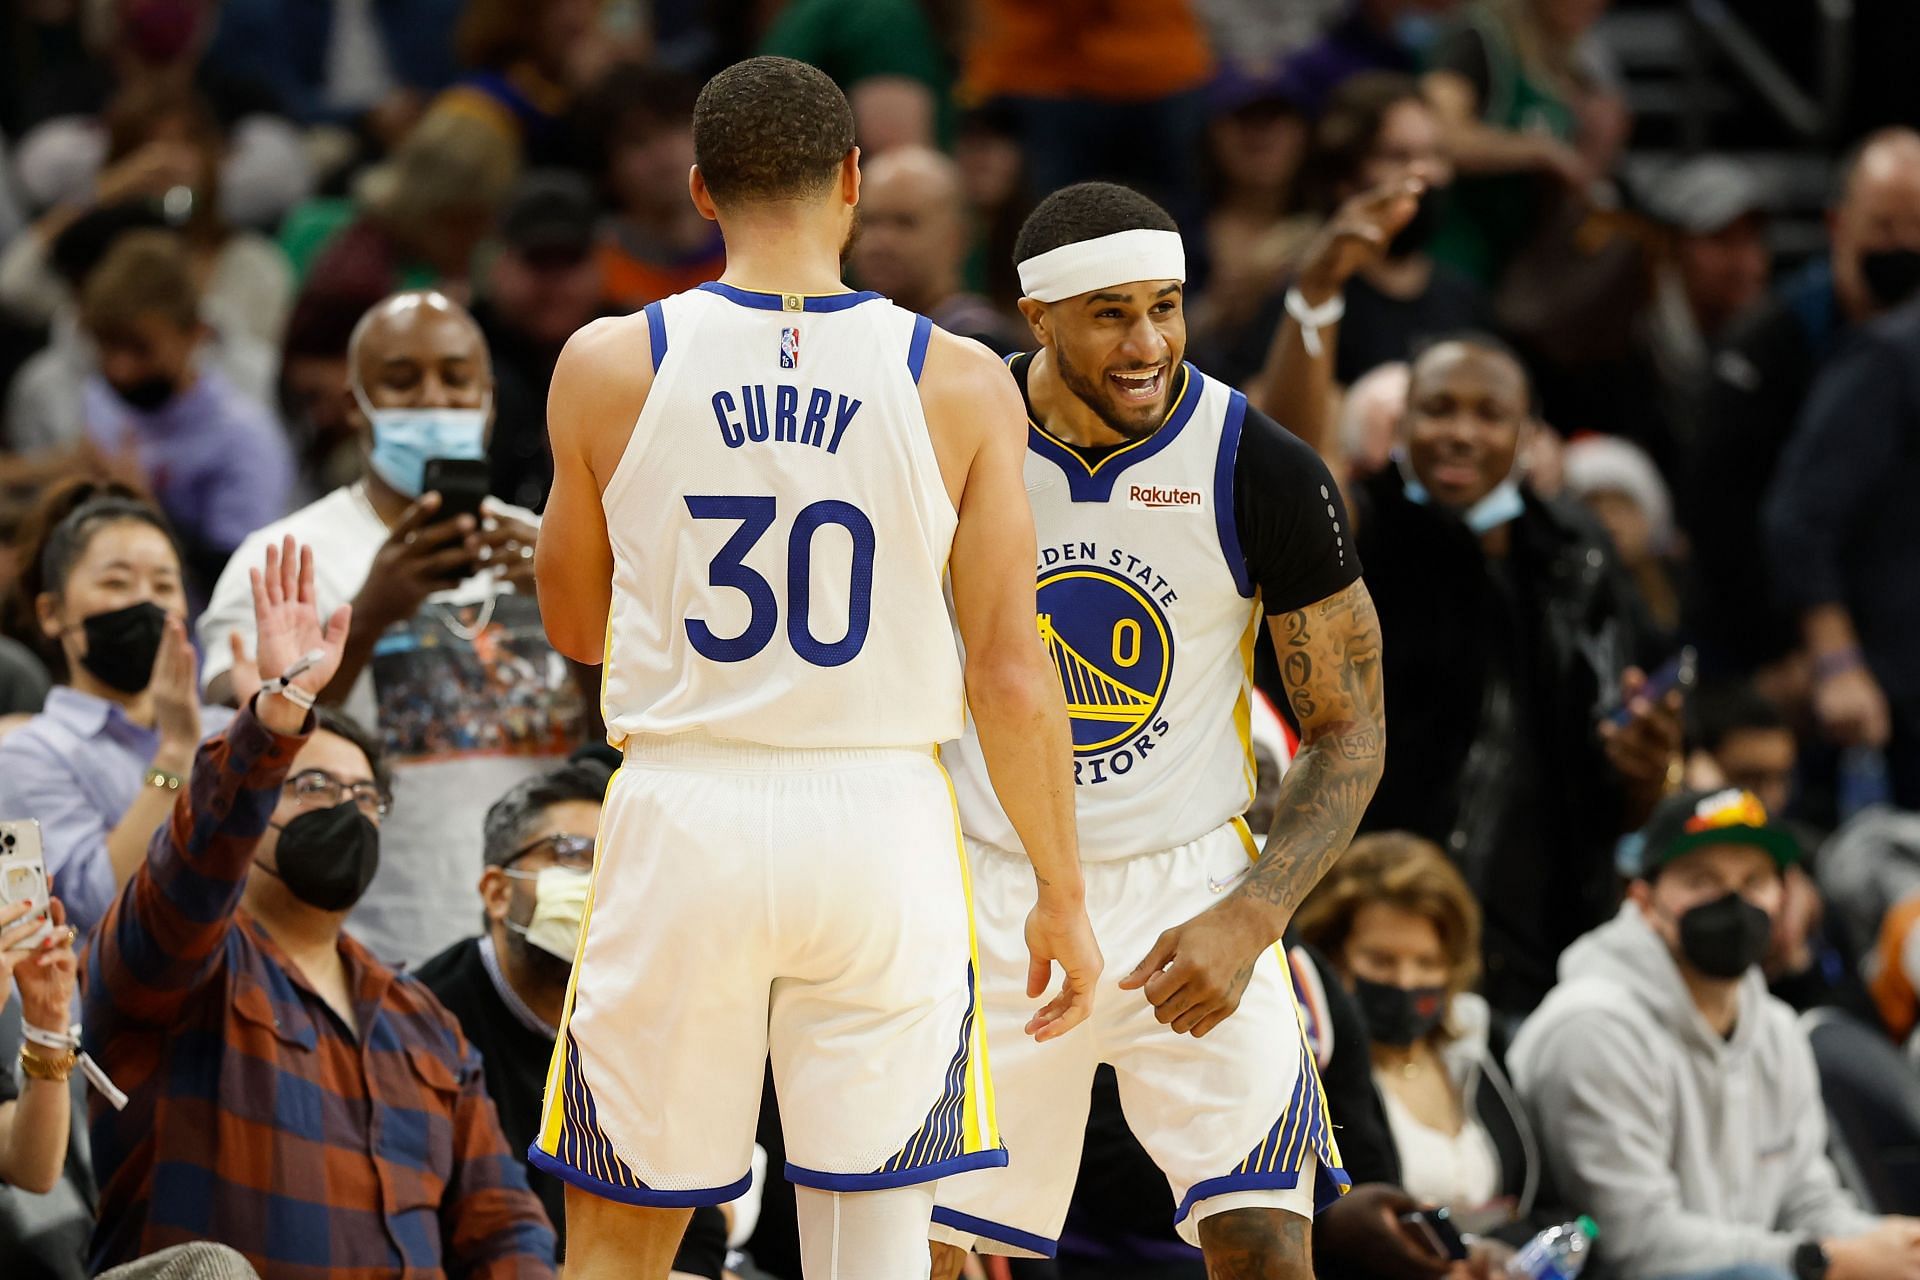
[1171, 518]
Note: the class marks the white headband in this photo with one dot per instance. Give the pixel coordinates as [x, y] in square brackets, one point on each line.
[1102, 263]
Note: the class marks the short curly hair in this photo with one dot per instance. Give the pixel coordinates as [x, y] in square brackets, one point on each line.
[770, 129]
[1087, 211]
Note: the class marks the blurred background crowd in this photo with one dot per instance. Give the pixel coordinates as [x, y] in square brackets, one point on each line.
[1680, 439]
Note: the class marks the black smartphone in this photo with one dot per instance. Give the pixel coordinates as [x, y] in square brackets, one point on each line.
[1679, 672]
[461, 484]
[1435, 1226]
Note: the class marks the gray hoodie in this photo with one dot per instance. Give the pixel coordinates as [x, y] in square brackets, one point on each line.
[1692, 1152]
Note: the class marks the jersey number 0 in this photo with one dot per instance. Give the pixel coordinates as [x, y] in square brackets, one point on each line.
[729, 569]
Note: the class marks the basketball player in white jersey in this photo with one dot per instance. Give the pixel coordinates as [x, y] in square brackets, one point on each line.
[1172, 518]
[758, 486]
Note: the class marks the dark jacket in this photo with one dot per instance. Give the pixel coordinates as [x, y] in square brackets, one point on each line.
[1745, 417]
[1841, 521]
[1495, 675]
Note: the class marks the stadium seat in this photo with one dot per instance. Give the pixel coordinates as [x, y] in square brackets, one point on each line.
[1873, 1105]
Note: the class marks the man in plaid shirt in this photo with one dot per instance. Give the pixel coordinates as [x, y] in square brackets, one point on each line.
[290, 1095]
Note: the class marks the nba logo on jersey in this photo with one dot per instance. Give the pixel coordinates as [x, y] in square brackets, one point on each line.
[789, 348]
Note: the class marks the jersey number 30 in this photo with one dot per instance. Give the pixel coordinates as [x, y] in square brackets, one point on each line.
[729, 569]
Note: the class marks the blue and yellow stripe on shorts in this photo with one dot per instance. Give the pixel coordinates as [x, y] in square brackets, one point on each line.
[960, 1131]
[1303, 1132]
[570, 1144]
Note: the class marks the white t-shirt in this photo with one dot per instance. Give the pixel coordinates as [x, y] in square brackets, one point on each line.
[1460, 1170]
[467, 698]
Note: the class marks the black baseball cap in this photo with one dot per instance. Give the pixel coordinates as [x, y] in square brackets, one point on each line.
[1688, 820]
[550, 213]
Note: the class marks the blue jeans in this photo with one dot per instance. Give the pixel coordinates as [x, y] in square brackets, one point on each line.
[1745, 1271]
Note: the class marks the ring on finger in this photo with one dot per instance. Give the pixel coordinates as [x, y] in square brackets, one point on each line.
[73, 933]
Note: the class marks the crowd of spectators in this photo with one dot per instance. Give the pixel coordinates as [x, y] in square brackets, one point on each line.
[1633, 493]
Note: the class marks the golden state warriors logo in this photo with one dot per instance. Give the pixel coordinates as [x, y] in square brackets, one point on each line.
[1111, 649]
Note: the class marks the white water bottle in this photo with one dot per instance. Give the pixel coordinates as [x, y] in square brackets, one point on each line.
[1558, 1253]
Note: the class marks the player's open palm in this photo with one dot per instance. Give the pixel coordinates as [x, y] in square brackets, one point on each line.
[286, 620]
[1062, 936]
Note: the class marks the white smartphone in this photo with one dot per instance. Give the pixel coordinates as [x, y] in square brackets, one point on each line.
[23, 875]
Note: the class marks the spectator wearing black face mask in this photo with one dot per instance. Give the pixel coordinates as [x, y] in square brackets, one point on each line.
[289, 1095]
[215, 459]
[1403, 933]
[1759, 383]
[99, 767]
[1674, 1097]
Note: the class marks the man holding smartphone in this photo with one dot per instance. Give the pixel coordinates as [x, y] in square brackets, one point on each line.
[446, 656]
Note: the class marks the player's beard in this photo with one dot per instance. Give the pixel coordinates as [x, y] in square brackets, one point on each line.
[1091, 393]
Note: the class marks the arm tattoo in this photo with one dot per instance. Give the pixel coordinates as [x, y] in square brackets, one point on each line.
[1332, 678]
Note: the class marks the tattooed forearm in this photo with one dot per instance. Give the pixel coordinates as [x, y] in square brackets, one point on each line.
[1332, 676]
[1321, 800]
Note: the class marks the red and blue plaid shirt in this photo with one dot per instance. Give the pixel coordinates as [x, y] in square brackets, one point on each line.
[258, 1118]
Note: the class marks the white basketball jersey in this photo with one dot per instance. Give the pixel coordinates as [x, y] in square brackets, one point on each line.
[780, 530]
[1149, 619]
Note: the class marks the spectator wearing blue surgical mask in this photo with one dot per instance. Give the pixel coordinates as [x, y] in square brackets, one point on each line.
[447, 655]
[1506, 624]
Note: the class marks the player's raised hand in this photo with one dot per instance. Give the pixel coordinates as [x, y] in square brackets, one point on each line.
[1061, 935]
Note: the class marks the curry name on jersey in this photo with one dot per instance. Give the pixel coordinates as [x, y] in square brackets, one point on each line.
[780, 530]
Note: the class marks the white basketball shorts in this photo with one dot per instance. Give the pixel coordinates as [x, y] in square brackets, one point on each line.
[1235, 1119]
[747, 901]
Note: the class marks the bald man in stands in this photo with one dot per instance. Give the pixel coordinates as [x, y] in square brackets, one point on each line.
[447, 660]
[1760, 379]
[912, 244]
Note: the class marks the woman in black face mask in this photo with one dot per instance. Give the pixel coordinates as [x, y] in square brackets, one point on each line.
[101, 765]
[1403, 931]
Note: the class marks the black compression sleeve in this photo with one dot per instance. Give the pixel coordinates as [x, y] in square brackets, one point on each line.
[1292, 522]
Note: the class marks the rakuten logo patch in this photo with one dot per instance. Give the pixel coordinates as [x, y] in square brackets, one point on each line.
[1154, 498]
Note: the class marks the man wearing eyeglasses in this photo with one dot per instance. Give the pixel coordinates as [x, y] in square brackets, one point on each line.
[508, 985]
[289, 1095]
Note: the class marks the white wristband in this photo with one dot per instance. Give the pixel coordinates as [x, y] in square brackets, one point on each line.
[1313, 319]
[282, 684]
[69, 1042]
[297, 696]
